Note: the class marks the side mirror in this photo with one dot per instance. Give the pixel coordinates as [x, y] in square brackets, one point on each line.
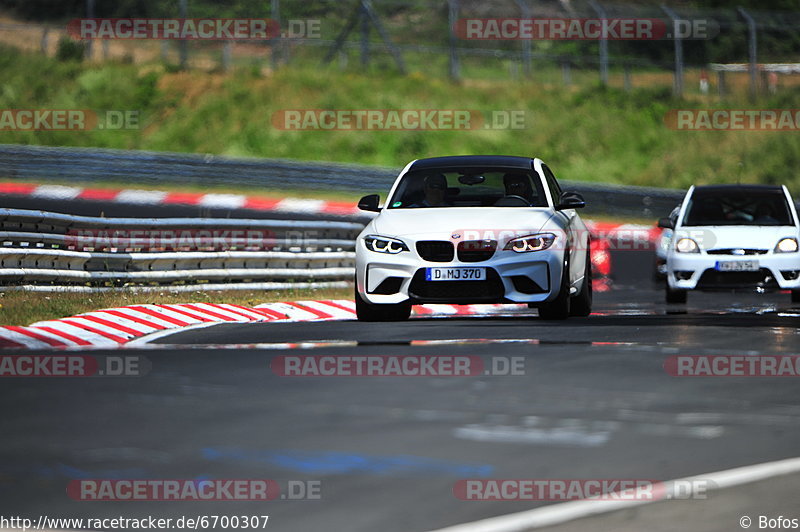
[370, 203]
[570, 200]
[666, 223]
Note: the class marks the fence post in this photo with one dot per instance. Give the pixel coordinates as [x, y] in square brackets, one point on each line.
[452, 18]
[226, 55]
[678, 83]
[87, 53]
[364, 37]
[603, 44]
[277, 43]
[566, 73]
[627, 78]
[752, 51]
[721, 83]
[526, 43]
[184, 45]
[44, 39]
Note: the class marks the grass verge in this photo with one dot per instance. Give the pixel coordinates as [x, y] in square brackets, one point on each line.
[586, 133]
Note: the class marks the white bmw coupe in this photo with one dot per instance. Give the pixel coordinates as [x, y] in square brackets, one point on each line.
[474, 229]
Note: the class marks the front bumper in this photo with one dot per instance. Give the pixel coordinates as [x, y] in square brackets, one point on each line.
[697, 271]
[511, 277]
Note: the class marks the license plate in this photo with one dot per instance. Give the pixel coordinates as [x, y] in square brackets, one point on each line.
[737, 266]
[455, 274]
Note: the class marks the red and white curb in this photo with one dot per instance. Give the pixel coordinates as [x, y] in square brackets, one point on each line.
[115, 327]
[155, 197]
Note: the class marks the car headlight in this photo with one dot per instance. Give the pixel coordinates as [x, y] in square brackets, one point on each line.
[526, 244]
[687, 245]
[786, 245]
[384, 244]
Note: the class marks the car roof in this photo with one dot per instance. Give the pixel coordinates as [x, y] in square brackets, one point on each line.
[504, 161]
[706, 189]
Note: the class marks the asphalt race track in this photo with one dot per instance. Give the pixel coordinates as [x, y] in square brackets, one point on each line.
[594, 402]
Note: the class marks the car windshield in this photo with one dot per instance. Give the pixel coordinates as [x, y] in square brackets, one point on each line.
[469, 187]
[745, 207]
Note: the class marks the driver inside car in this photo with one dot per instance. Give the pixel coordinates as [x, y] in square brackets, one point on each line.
[518, 185]
[435, 189]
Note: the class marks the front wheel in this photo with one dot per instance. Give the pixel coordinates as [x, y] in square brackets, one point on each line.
[392, 312]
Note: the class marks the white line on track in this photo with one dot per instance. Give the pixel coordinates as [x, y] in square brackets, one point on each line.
[557, 514]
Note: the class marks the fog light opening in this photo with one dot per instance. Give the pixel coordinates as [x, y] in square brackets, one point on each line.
[790, 275]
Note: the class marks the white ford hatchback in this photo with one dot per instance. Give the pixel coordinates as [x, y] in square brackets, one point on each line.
[733, 237]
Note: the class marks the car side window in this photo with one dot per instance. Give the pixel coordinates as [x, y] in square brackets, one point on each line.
[552, 184]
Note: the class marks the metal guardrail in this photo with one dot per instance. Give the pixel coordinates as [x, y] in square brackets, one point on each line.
[98, 165]
[60, 251]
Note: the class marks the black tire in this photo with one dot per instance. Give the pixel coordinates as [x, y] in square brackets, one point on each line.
[369, 312]
[581, 304]
[675, 296]
[795, 296]
[558, 309]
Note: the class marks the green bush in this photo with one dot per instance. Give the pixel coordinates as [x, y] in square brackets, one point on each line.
[70, 50]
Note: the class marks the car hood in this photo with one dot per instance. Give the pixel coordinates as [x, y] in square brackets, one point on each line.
[737, 236]
[469, 222]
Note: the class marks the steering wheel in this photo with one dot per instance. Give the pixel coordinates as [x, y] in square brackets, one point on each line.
[512, 200]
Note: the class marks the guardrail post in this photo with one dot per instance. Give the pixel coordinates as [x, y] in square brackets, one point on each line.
[678, 83]
[752, 34]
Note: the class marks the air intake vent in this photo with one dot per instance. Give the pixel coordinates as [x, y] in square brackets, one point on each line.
[476, 250]
[436, 250]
